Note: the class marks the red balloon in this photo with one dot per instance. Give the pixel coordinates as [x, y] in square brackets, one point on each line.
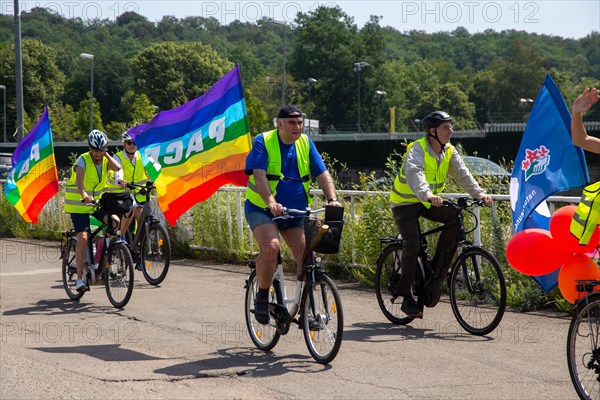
[578, 267]
[534, 252]
[560, 228]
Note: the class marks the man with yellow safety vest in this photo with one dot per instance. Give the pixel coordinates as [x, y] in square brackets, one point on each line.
[132, 171]
[89, 177]
[281, 164]
[415, 193]
[587, 215]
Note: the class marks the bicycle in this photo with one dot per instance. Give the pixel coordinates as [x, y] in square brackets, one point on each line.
[150, 246]
[316, 298]
[475, 280]
[107, 257]
[583, 341]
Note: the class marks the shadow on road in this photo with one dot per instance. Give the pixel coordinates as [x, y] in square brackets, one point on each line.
[381, 331]
[242, 361]
[104, 352]
[59, 307]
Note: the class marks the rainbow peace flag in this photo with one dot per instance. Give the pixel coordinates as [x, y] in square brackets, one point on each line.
[191, 151]
[33, 179]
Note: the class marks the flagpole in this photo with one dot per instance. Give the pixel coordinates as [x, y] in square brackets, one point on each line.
[18, 71]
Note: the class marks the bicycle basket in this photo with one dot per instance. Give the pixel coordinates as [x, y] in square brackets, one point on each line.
[328, 242]
[116, 203]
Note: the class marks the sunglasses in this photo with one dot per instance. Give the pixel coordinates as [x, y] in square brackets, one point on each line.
[129, 142]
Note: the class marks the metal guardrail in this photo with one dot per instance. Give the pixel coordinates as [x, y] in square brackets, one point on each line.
[350, 196]
[488, 128]
[53, 216]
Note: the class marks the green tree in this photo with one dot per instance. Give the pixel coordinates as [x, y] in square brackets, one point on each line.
[64, 122]
[83, 117]
[43, 81]
[172, 74]
[326, 49]
[499, 88]
[450, 98]
[257, 116]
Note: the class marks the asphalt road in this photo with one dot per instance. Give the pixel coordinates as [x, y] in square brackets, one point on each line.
[187, 339]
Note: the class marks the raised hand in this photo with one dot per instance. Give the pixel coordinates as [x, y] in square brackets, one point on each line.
[586, 100]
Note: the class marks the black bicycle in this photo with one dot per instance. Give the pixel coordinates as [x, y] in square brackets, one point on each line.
[316, 297]
[108, 261]
[150, 246]
[583, 341]
[475, 281]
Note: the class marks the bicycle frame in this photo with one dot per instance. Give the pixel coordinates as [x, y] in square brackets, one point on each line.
[303, 278]
[146, 218]
[117, 238]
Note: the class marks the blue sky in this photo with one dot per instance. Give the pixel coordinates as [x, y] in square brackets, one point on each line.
[574, 19]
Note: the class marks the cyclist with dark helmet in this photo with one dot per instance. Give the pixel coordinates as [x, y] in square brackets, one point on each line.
[89, 176]
[415, 193]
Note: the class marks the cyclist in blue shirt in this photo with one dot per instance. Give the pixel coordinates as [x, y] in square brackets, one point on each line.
[281, 165]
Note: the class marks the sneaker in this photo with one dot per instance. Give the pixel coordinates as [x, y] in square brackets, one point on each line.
[138, 265]
[261, 311]
[411, 308]
[80, 286]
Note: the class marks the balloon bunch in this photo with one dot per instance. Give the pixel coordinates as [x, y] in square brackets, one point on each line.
[539, 252]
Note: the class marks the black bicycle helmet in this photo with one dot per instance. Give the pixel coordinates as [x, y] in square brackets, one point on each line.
[434, 119]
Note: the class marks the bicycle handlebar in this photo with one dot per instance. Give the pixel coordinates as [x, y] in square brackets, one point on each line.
[147, 187]
[292, 213]
[463, 203]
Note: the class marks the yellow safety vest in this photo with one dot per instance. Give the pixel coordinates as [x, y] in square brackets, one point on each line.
[435, 175]
[94, 185]
[133, 173]
[587, 215]
[274, 175]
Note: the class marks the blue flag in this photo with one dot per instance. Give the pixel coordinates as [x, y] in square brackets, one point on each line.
[547, 162]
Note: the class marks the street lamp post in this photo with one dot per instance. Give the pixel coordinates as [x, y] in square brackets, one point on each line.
[283, 23]
[359, 66]
[90, 57]
[379, 95]
[4, 111]
[310, 82]
[525, 105]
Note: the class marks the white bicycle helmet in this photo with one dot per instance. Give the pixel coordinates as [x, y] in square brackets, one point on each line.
[125, 137]
[97, 140]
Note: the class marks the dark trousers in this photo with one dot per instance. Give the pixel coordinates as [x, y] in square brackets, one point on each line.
[407, 221]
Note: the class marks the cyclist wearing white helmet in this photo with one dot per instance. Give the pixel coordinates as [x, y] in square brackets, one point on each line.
[89, 176]
[132, 171]
[416, 189]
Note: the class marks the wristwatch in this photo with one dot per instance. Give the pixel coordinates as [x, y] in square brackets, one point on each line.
[332, 199]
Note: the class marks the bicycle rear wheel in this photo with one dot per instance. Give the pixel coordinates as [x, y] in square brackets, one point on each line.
[583, 348]
[386, 277]
[264, 337]
[322, 319]
[118, 276]
[155, 255]
[477, 291]
[69, 269]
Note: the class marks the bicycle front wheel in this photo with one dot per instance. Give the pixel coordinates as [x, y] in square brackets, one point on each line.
[583, 348]
[322, 319]
[386, 277]
[477, 291]
[155, 256]
[69, 269]
[264, 337]
[118, 276]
